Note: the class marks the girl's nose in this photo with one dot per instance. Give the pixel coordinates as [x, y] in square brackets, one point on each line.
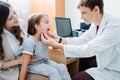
[49, 25]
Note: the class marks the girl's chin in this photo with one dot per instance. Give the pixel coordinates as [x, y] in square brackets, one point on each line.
[45, 32]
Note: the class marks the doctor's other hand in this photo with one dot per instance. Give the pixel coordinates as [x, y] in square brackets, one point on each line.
[50, 41]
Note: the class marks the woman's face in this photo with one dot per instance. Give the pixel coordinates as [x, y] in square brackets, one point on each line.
[44, 24]
[12, 20]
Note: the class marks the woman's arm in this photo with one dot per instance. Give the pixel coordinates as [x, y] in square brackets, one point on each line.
[11, 63]
[15, 62]
[26, 59]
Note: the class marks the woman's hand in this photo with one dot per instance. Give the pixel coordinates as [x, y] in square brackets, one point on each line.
[32, 60]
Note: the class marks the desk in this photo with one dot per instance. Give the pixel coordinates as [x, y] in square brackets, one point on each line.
[57, 55]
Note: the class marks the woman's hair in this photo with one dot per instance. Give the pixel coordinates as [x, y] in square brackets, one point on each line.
[17, 33]
[33, 20]
[91, 4]
[4, 13]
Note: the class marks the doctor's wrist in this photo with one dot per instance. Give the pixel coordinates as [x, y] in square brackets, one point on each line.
[60, 40]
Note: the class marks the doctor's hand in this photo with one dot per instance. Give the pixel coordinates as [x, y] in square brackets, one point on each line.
[57, 38]
[54, 36]
[50, 41]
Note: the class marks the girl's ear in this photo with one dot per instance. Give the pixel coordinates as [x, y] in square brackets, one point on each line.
[37, 26]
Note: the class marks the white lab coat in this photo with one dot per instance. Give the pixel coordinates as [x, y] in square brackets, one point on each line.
[105, 45]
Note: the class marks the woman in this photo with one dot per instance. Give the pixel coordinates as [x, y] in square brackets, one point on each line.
[9, 32]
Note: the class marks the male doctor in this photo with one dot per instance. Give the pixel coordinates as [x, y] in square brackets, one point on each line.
[101, 40]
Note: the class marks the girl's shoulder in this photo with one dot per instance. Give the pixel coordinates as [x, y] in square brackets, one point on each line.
[29, 39]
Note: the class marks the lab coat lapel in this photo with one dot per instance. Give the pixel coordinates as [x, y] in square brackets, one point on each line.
[103, 62]
[103, 24]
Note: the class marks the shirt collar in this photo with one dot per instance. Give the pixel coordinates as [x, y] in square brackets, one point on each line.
[104, 20]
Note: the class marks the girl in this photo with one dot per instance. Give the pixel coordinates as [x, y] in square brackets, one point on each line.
[37, 24]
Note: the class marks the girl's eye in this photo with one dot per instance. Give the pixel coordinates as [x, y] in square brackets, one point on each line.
[46, 22]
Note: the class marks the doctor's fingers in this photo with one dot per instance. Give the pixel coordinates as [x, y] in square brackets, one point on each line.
[43, 38]
[52, 35]
[45, 35]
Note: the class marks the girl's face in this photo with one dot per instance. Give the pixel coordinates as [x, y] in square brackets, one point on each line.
[44, 25]
[12, 20]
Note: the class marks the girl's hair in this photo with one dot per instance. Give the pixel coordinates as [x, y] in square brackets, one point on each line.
[4, 13]
[91, 4]
[33, 20]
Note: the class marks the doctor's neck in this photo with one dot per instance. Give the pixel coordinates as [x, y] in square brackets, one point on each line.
[98, 19]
